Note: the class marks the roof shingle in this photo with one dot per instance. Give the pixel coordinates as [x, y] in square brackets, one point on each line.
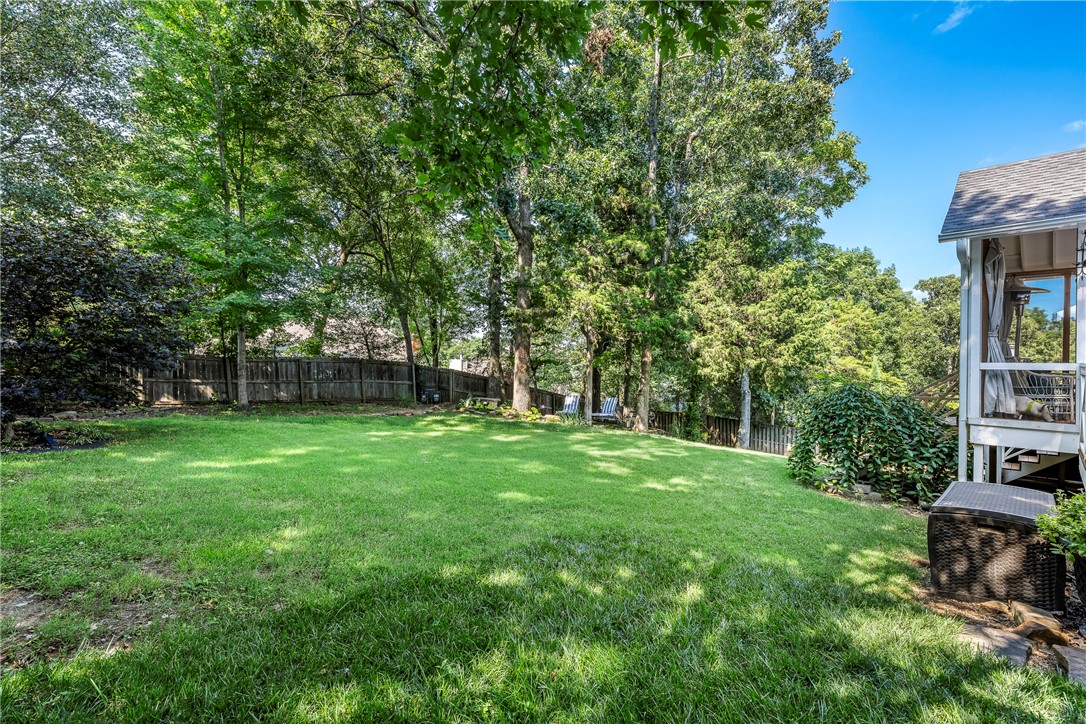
[1034, 191]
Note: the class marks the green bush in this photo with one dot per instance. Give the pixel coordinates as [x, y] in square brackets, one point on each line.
[862, 435]
[1066, 528]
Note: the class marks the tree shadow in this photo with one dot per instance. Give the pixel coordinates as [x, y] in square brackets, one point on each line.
[609, 627]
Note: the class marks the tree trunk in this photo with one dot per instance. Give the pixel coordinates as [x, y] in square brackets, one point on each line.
[644, 390]
[494, 321]
[243, 374]
[744, 411]
[589, 374]
[627, 375]
[409, 350]
[644, 384]
[520, 223]
[9, 430]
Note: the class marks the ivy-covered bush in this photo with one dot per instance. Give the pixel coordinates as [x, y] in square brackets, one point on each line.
[849, 433]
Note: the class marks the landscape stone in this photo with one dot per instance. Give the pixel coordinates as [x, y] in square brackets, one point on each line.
[863, 488]
[1037, 624]
[873, 497]
[1072, 663]
[994, 606]
[1012, 647]
[551, 418]
[66, 415]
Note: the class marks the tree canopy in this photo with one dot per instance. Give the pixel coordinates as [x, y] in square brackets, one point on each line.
[622, 198]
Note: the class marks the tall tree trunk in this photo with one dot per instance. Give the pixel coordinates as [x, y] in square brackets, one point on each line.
[644, 382]
[409, 350]
[243, 374]
[627, 374]
[589, 372]
[520, 223]
[494, 321]
[435, 338]
[744, 411]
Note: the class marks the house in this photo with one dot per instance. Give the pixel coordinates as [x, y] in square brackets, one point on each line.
[1020, 232]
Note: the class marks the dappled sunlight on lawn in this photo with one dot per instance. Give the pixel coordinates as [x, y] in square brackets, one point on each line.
[518, 497]
[448, 567]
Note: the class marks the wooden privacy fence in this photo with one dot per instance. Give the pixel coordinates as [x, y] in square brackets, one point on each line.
[776, 439]
[201, 379]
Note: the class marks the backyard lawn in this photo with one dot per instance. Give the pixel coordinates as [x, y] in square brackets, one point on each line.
[453, 567]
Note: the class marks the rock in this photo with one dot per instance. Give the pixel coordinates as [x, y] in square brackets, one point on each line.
[994, 606]
[1037, 624]
[67, 415]
[873, 497]
[1072, 663]
[1039, 631]
[863, 488]
[551, 418]
[1012, 647]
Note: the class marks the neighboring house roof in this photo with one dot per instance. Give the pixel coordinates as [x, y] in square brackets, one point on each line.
[1019, 197]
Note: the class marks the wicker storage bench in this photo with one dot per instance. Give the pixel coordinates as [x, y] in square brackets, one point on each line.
[983, 545]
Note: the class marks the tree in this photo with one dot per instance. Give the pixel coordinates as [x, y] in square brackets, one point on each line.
[80, 312]
[64, 68]
[212, 106]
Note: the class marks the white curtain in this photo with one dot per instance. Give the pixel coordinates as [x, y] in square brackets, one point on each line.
[998, 389]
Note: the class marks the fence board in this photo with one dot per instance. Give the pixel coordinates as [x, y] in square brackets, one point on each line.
[775, 439]
[202, 379]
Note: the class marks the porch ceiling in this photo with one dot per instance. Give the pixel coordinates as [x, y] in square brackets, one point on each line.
[1040, 252]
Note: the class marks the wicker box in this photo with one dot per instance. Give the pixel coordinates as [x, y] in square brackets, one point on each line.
[983, 545]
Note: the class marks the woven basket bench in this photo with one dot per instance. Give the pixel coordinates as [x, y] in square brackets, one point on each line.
[983, 545]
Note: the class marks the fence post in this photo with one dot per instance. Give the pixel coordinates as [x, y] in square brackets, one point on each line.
[362, 379]
[301, 381]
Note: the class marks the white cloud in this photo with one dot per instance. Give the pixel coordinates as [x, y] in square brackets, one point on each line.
[1075, 126]
[957, 15]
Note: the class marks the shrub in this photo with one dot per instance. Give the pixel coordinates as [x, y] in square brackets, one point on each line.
[1065, 528]
[80, 310]
[889, 441]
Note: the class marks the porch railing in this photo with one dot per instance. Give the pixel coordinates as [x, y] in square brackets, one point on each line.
[1043, 392]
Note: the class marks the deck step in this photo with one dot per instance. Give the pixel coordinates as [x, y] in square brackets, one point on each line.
[1012, 465]
[1028, 458]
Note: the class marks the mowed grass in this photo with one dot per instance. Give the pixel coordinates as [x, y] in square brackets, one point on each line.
[457, 568]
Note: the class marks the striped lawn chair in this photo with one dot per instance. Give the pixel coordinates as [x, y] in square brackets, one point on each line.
[609, 413]
[572, 406]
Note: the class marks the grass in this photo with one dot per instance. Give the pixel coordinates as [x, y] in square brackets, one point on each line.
[459, 568]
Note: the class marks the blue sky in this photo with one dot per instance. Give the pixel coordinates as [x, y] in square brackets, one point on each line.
[943, 87]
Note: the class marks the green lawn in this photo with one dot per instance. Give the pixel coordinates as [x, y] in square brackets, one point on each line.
[453, 567]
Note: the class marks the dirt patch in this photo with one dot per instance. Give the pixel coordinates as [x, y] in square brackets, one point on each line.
[21, 611]
[35, 628]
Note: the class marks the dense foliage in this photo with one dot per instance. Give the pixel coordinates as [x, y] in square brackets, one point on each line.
[850, 433]
[1066, 526]
[79, 311]
[607, 198]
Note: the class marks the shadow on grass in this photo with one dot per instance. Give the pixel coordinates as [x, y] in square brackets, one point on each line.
[611, 627]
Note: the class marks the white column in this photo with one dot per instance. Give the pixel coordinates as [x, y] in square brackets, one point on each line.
[1080, 345]
[976, 342]
[962, 248]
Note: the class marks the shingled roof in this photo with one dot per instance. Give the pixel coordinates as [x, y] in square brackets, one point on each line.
[1018, 197]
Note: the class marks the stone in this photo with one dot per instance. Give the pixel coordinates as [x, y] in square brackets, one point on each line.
[1010, 646]
[863, 488]
[551, 418]
[1072, 663]
[1037, 624]
[997, 607]
[66, 415]
[873, 497]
